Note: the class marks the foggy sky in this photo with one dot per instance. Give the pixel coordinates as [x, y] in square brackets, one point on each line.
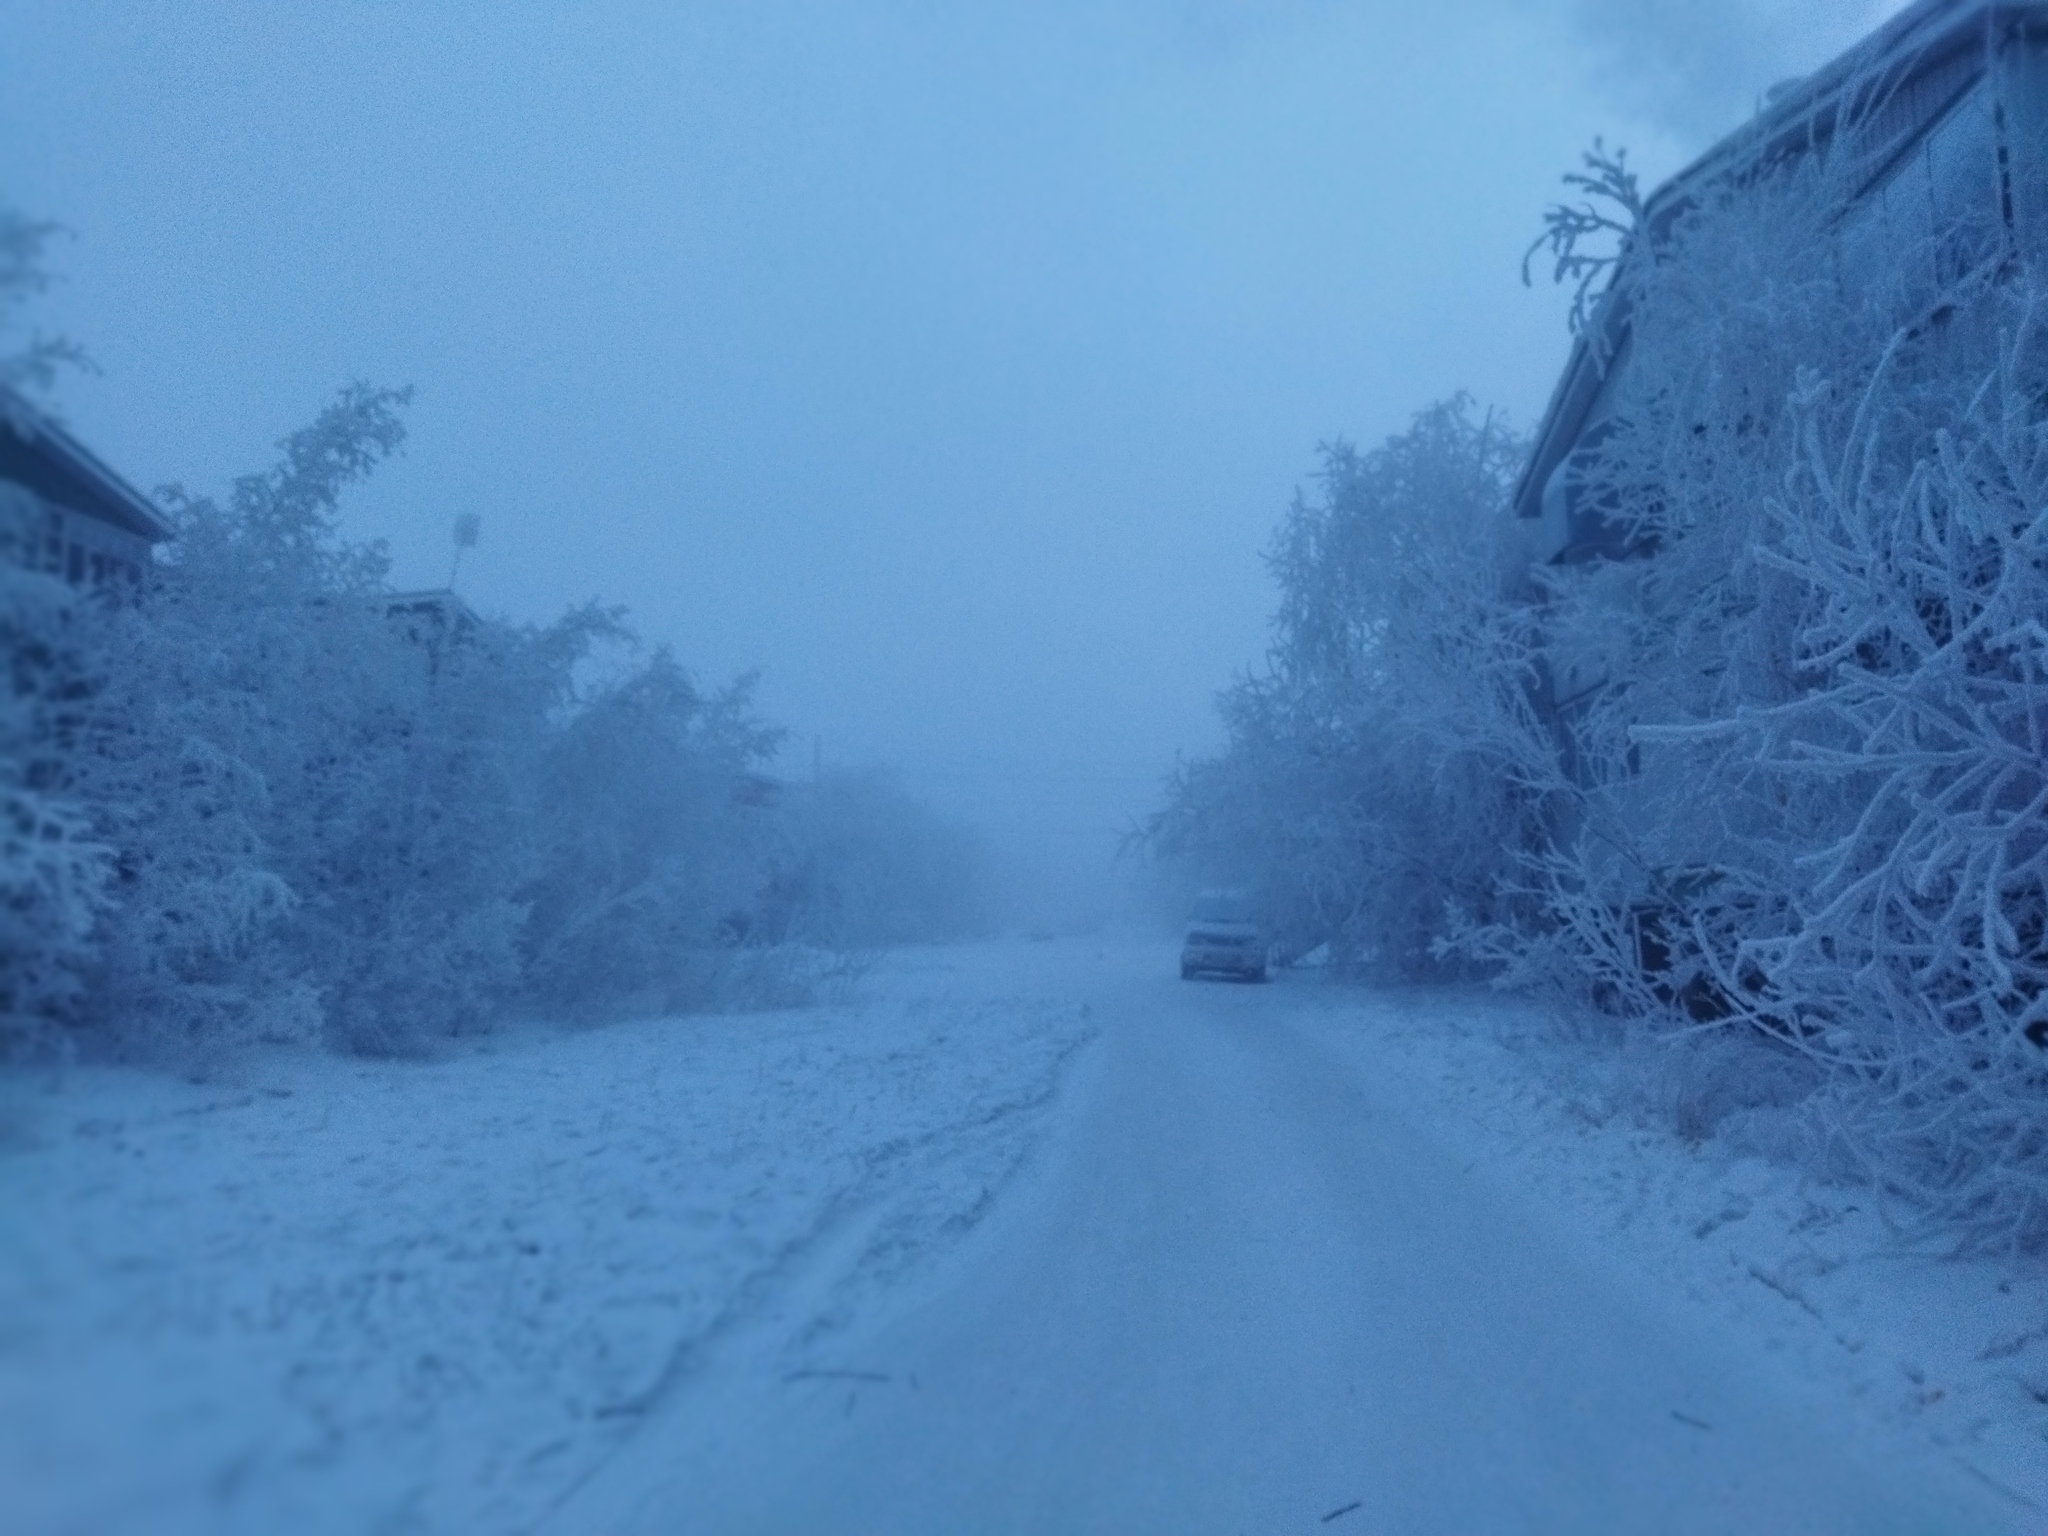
[1696, 69]
[950, 364]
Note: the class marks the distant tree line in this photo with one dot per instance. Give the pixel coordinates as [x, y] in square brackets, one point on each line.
[1777, 776]
[257, 799]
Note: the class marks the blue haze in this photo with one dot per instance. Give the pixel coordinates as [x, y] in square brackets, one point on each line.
[949, 364]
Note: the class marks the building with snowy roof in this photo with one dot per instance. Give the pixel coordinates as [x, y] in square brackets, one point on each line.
[63, 511]
[1944, 112]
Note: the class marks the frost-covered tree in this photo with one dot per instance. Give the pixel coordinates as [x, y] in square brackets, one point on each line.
[53, 872]
[29, 359]
[228, 726]
[1768, 757]
[265, 797]
[1801, 719]
[656, 837]
[391, 821]
[1359, 791]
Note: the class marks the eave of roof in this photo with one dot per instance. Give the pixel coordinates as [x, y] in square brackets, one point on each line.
[73, 476]
[444, 602]
[1915, 40]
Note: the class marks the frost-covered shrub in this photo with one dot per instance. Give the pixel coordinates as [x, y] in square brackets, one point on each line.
[264, 797]
[1802, 729]
[412, 814]
[1361, 789]
[53, 872]
[413, 828]
[677, 873]
[1775, 766]
[224, 727]
[657, 835]
[320, 807]
[1902, 844]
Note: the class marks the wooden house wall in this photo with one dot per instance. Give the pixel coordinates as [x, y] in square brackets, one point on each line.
[56, 541]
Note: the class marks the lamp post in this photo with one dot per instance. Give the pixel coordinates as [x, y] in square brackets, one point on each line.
[467, 527]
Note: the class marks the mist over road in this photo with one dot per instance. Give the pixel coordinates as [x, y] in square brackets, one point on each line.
[1242, 1289]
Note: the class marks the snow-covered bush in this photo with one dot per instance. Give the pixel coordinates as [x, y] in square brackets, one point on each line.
[323, 808]
[1777, 762]
[657, 839]
[411, 813]
[1913, 770]
[266, 797]
[52, 871]
[1802, 729]
[226, 727]
[1360, 791]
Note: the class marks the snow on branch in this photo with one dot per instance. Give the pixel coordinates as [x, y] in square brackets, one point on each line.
[1778, 773]
[1588, 239]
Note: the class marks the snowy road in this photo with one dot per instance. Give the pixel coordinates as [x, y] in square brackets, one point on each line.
[1241, 1291]
[1014, 1236]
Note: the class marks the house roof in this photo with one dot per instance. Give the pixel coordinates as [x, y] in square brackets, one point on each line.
[38, 453]
[1920, 40]
[438, 603]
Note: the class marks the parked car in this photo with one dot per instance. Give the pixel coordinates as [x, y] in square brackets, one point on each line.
[1224, 937]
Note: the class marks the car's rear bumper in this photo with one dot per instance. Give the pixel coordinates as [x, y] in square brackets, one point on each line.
[1234, 962]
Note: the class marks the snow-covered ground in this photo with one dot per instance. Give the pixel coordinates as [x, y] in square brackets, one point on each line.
[342, 1296]
[1863, 1309]
[1020, 1236]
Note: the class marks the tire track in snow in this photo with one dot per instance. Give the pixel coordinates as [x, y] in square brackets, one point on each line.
[805, 1274]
